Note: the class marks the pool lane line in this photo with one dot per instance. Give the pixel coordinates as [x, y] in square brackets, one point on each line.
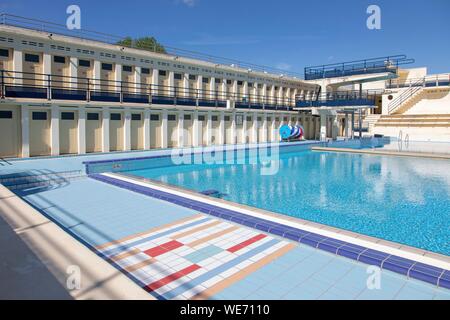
[407, 267]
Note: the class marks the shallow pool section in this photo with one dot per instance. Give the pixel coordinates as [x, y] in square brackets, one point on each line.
[405, 200]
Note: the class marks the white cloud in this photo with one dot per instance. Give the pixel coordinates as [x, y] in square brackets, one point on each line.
[189, 3]
[283, 66]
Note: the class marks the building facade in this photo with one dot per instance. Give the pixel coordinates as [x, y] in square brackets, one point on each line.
[67, 95]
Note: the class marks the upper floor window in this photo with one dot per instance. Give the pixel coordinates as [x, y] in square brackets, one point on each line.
[229, 81]
[162, 73]
[177, 76]
[59, 59]
[192, 77]
[127, 68]
[218, 80]
[145, 71]
[31, 57]
[67, 116]
[239, 83]
[116, 116]
[6, 114]
[84, 63]
[250, 84]
[136, 116]
[4, 53]
[205, 80]
[107, 66]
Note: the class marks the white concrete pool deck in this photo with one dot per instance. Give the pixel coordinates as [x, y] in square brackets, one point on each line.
[97, 213]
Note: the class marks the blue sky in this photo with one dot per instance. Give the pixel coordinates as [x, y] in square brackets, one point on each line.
[285, 34]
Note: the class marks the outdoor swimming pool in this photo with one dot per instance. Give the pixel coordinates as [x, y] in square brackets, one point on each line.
[405, 200]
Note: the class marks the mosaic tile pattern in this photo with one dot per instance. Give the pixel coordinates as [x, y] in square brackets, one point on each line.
[410, 268]
[194, 257]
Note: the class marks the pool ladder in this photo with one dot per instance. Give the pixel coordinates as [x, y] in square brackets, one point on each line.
[402, 141]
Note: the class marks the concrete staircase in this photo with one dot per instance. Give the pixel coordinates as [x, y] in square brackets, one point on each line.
[431, 127]
[404, 120]
[370, 120]
[409, 102]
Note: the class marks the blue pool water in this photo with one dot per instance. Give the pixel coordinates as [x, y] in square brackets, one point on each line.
[406, 200]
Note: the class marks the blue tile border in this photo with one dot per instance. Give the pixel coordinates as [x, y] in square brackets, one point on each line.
[413, 269]
[282, 145]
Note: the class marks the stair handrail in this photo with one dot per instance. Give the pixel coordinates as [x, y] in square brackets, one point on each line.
[405, 95]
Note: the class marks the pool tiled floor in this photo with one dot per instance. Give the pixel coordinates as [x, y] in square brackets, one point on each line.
[177, 253]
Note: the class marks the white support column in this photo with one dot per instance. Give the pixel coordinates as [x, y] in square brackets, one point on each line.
[280, 95]
[164, 130]
[264, 137]
[323, 126]
[254, 128]
[118, 77]
[222, 128]
[25, 125]
[245, 89]
[180, 135]
[186, 85]
[81, 130]
[288, 97]
[255, 93]
[264, 93]
[235, 89]
[212, 88]
[273, 125]
[295, 97]
[171, 83]
[127, 130]
[18, 66]
[200, 86]
[105, 129]
[223, 94]
[47, 64]
[334, 127]
[209, 129]
[346, 126]
[146, 129]
[195, 129]
[137, 79]
[73, 67]
[244, 128]
[272, 98]
[97, 75]
[54, 131]
[233, 127]
[155, 81]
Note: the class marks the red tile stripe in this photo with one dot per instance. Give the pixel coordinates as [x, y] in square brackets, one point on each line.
[172, 277]
[163, 248]
[246, 243]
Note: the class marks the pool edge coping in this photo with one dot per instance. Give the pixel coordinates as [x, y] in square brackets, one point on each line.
[435, 156]
[371, 246]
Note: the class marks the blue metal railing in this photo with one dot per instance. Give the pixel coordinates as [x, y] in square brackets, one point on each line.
[56, 87]
[357, 67]
[341, 99]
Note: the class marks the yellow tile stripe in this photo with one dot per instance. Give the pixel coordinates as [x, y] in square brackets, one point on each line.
[139, 265]
[212, 236]
[124, 255]
[115, 242]
[242, 273]
[194, 230]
